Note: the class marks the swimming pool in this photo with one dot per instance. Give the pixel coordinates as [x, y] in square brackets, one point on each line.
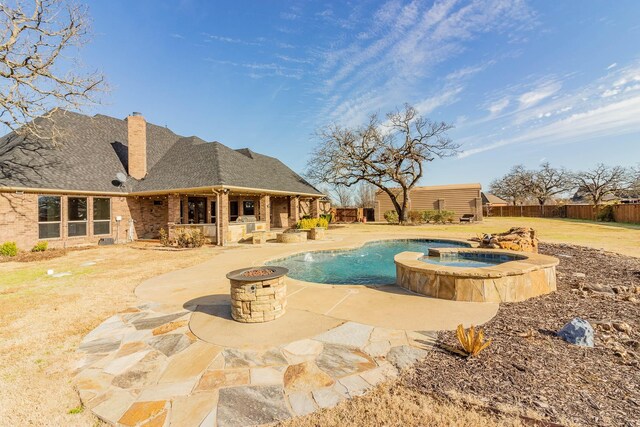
[371, 264]
[468, 259]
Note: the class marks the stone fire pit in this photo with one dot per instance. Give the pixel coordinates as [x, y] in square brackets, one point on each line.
[258, 294]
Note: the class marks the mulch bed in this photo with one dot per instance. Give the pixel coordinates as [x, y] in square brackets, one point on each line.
[528, 368]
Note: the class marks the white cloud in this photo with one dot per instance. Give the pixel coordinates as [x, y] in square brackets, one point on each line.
[531, 98]
[614, 65]
[428, 105]
[498, 106]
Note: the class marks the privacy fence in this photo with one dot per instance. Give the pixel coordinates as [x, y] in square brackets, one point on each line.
[621, 213]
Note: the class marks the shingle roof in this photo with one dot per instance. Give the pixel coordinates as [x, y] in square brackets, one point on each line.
[492, 199]
[91, 150]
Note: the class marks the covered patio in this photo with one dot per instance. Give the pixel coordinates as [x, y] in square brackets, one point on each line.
[229, 214]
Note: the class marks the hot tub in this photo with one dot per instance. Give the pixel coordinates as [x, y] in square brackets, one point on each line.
[476, 275]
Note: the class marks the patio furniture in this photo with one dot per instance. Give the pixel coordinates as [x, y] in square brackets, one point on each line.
[467, 218]
[258, 294]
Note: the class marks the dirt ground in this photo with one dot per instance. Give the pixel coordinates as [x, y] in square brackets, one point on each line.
[43, 319]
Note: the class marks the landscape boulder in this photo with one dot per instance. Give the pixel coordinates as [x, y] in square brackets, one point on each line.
[578, 332]
[516, 239]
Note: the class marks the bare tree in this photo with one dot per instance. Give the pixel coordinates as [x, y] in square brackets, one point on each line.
[389, 155]
[39, 40]
[513, 186]
[366, 195]
[601, 181]
[547, 182]
[342, 195]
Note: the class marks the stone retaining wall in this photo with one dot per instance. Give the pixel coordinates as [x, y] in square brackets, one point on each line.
[258, 301]
[511, 281]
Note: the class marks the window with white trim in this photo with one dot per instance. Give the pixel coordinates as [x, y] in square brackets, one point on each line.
[77, 216]
[101, 216]
[49, 217]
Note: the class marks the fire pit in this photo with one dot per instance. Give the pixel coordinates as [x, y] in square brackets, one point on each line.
[258, 294]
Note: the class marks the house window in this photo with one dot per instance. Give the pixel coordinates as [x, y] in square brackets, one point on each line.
[181, 211]
[101, 215]
[49, 217]
[77, 216]
[248, 208]
[213, 212]
[233, 210]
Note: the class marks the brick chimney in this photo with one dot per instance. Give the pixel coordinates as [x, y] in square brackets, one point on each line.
[137, 142]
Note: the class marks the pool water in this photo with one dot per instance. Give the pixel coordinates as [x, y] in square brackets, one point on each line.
[461, 262]
[371, 264]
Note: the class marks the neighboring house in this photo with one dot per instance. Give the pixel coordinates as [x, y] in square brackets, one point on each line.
[489, 199]
[460, 198]
[68, 193]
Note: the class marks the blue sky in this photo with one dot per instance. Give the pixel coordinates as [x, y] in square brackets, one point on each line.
[523, 82]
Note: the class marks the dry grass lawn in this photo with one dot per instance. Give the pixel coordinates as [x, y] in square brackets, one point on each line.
[43, 319]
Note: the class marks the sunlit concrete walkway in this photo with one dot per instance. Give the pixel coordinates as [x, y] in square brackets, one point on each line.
[179, 359]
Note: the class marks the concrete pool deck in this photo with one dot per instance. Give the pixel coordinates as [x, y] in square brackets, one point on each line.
[179, 359]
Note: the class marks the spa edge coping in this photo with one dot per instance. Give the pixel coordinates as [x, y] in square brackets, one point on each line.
[525, 263]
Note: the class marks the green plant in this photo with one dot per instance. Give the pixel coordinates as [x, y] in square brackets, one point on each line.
[391, 217]
[428, 215]
[448, 216]
[164, 238]
[9, 249]
[189, 238]
[605, 214]
[472, 343]
[40, 247]
[76, 410]
[415, 217]
[328, 217]
[322, 222]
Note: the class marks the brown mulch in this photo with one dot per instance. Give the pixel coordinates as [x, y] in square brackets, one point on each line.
[38, 256]
[528, 368]
[258, 272]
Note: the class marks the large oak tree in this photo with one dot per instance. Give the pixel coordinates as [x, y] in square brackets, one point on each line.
[390, 154]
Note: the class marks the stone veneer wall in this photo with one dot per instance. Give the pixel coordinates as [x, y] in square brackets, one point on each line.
[258, 301]
[509, 282]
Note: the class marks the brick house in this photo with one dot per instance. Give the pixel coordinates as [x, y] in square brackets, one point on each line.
[67, 192]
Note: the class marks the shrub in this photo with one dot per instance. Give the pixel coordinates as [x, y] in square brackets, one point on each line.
[391, 216]
[429, 215]
[605, 214]
[328, 217]
[447, 216]
[189, 238]
[309, 223]
[9, 249]
[471, 343]
[40, 247]
[164, 238]
[415, 216]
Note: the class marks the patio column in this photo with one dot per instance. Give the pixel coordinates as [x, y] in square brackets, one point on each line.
[173, 213]
[185, 209]
[315, 208]
[265, 209]
[294, 211]
[223, 218]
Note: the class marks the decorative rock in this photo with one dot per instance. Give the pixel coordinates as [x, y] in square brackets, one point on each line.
[306, 377]
[516, 239]
[403, 357]
[578, 332]
[301, 351]
[579, 275]
[242, 406]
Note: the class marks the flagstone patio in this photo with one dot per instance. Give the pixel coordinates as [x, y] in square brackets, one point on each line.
[179, 359]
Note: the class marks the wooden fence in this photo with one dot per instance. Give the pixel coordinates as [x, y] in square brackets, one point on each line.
[621, 213]
[347, 214]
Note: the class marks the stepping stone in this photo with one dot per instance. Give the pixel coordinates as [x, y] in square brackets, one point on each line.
[90, 383]
[167, 391]
[142, 411]
[301, 403]
[234, 358]
[242, 406]
[349, 334]
[306, 376]
[212, 380]
[154, 322]
[355, 385]
[327, 397]
[339, 361]
[377, 348]
[267, 376]
[302, 351]
[423, 339]
[171, 326]
[193, 409]
[114, 405]
[122, 364]
[170, 344]
[102, 345]
[384, 372]
[404, 356]
[144, 373]
[190, 362]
